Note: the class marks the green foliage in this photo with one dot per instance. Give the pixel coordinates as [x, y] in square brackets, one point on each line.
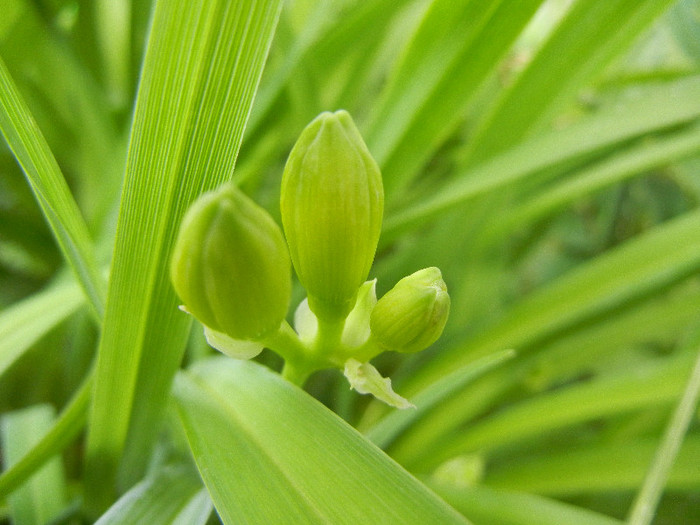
[543, 154]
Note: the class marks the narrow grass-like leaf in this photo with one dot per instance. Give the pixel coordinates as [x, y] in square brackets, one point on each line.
[70, 107]
[655, 110]
[253, 435]
[647, 263]
[64, 429]
[201, 70]
[173, 495]
[487, 506]
[619, 466]
[642, 512]
[614, 169]
[634, 270]
[384, 431]
[591, 34]
[649, 386]
[457, 46]
[50, 188]
[44, 496]
[25, 322]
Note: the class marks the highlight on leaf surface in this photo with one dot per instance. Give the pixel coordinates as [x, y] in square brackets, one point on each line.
[332, 203]
[230, 265]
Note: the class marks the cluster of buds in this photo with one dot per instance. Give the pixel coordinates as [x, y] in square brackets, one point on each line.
[231, 267]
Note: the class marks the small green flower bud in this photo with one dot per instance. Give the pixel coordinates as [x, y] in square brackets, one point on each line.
[332, 204]
[230, 265]
[412, 315]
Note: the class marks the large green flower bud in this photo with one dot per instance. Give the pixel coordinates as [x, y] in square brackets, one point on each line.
[332, 205]
[412, 315]
[230, 265]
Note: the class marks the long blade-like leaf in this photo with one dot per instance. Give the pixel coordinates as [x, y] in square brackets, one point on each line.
[24, 323]
[487, 506]
[201, 70]
[50, 188]
[593, 32]
[657, 109]
[269, 453]
[43, 497]
[172, 496]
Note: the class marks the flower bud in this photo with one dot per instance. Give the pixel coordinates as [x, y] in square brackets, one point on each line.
[230, 265]
[332, 204]
[412, 315]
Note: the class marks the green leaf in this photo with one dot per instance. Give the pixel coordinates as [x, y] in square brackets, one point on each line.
[384, 431]
[643, 510]
[64, 429]
[456, 47]
[202, 66]
[590, 36]
[595, 468]
[656, 109]
[172, 496]
[487, 506]
[649, 263]
[253, 436]
[44, 496]
[613, 169]
[50, 189]
[604, 396]
[25, 322]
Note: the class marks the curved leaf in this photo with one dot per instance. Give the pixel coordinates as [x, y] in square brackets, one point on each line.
[173, 495]
[269, 453]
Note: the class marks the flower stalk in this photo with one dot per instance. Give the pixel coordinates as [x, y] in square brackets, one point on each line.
[231, 267]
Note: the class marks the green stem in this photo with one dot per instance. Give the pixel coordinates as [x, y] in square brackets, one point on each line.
[286, 343]
[296, 374]
[328, 340]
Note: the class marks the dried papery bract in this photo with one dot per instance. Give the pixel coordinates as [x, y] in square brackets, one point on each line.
[231, 267]
[332, 203]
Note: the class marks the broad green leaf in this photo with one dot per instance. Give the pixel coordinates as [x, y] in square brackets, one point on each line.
[487, 506]
[586, 470]
[25, 322]
[656, 109]
[50, 188]
[43, 497]
[173, 495]
[63, 430]
[269, 453]
[202, 67]
[589, 37]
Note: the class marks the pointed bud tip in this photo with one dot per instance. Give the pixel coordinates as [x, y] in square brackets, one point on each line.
[332, 202]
